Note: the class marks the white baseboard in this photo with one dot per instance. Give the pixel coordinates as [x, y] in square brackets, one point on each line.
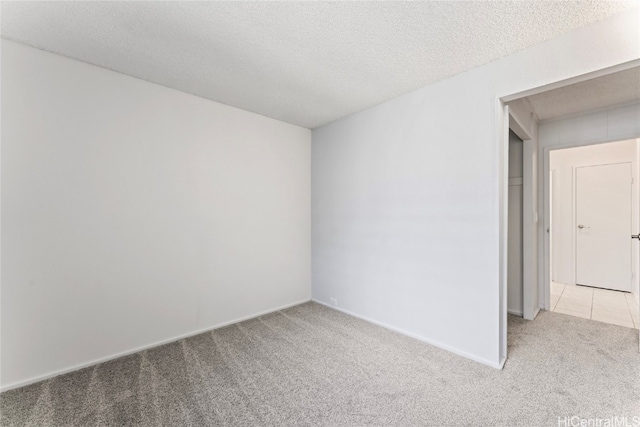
[464, 354]
[516, 313]
[94, 362]
[502, 361]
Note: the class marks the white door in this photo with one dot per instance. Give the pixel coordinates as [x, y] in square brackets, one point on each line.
[603, 221]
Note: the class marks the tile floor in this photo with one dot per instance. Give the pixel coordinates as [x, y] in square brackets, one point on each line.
[619, 308]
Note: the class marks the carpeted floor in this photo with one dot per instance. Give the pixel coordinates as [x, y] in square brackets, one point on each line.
[313, 366]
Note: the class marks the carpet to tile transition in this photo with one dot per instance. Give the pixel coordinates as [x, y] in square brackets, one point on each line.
[310, 365]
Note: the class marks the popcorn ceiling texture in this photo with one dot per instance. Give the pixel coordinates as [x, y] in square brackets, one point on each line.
[602, 92]
[305, 63]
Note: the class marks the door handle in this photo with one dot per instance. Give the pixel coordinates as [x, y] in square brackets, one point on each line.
[582, 226]
[635, 236]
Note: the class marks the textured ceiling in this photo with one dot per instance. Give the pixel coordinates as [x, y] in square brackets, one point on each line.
[305, 63]
[602, 92]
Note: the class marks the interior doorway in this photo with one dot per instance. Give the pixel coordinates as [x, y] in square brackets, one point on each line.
[595, 108]
[593, 205]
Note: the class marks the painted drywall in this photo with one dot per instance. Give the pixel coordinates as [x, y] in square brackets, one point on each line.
[610, 125]
[514, 248]
[409, 197]
[133, 214]
[564, 163]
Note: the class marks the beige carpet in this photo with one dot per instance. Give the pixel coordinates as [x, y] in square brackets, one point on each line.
[313, 366]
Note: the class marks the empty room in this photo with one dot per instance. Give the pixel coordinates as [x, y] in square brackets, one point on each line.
[320, 213]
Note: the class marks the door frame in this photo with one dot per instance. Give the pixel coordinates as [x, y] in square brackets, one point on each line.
[530, 300]
[510, 120]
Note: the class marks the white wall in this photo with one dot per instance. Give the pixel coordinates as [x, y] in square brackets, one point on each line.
[408, 197]
[564, 163]
[134, 214]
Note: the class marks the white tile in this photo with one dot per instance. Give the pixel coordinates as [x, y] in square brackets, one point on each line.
[635, 315]
[578, 296]
[568, 305]
[621, 314]
[617, 322]
[603, 305]
[616, 318]
[583, 299]
[604, 291]
[634, 310]
[576, 300]
[610, 305]
[619, 299]
[631, 298]
[620, 303]
[608, 293]
[578, 290]
[572, 313]
[571, 293]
